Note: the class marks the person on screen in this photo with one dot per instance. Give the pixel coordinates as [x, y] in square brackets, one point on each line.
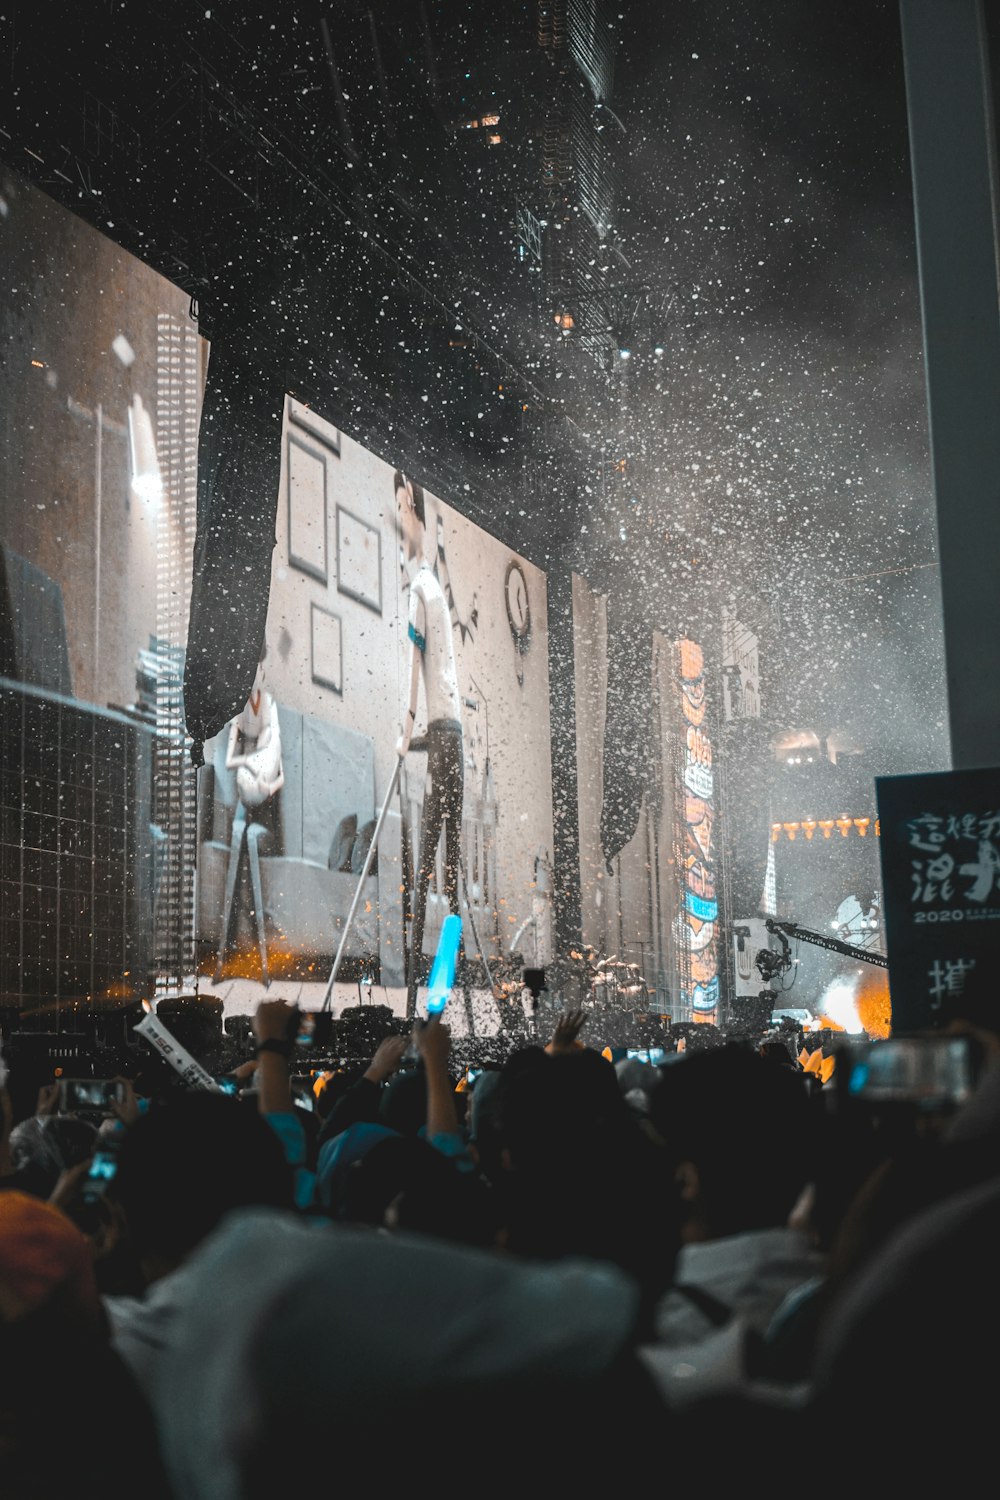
[253, 751]
[432, 657]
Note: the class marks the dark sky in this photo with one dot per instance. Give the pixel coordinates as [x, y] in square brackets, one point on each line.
[767, 192]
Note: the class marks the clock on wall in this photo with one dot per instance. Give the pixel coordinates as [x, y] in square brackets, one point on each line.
[515, 587]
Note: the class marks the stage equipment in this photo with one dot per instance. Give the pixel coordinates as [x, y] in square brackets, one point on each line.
[33, 644]
[239, 467]
[534, 980]
[366, 867]
[783, 930]
[752, 1013]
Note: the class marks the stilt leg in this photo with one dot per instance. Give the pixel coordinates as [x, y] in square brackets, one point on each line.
[254, 834]
[232, 875]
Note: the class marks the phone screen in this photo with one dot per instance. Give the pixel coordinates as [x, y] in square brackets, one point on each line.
[103, 1167]
[923, 1071]
[89, 1093]
[307, 1029]
[228, 1084]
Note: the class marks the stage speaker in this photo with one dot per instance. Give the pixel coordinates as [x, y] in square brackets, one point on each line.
[32, 626]
[360, 1028]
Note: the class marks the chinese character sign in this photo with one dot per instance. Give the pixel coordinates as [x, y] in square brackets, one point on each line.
[941, 872]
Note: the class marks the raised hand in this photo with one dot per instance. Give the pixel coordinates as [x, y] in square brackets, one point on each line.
[432, 1040]
[48, 1100]
[566, 1036]
[127, 1107]
[388, 1055]
[273, 1021]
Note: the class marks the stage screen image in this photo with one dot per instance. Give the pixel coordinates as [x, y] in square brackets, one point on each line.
[100, 390]
[383, 598]
[125, 873]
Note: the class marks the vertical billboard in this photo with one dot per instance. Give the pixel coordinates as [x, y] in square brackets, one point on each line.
[940, 850]
[698, 919]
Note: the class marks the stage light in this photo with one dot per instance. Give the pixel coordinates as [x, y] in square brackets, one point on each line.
[147, 481]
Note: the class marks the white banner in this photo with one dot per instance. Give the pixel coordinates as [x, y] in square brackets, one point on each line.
[749, 937]
[740, 669]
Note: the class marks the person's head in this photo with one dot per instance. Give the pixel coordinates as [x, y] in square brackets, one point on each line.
[777, 1053]
[737, 1133]
[411, 517]
[184, 1165]
[404, 1184]
[46, 1267]
[403, 1101]
[44, 1147]
[580, 1177]
[553, 1105]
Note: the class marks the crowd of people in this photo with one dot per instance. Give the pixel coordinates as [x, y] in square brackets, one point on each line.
[550, 1265]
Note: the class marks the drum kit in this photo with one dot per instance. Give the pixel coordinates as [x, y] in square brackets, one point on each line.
[608, 983]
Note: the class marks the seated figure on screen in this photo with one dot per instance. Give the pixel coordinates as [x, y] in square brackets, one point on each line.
[254, 753]
[432, 657]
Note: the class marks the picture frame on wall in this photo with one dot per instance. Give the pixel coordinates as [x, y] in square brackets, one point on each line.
[307, 507]
[359, 560]
[327, 649]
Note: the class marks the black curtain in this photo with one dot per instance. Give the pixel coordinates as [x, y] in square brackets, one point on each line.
[239, 467]
[627, 741]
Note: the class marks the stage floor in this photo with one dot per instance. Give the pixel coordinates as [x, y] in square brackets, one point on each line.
[240, 997]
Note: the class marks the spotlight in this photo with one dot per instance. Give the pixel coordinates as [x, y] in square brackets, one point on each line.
[147, 481]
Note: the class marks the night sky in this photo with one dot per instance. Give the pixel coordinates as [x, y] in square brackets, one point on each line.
[767, 193]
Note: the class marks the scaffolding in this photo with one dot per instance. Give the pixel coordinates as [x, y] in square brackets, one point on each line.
[174, 785]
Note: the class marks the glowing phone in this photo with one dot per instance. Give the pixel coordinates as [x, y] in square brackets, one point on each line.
[102, 1171]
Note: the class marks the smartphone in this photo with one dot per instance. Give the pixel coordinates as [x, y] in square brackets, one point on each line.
[102, 1171]
[302, 1086]
[472, 1074]
[89, 1093]
[653, 1055]
[306, 1034]
[927, 1073]
[228, 1084]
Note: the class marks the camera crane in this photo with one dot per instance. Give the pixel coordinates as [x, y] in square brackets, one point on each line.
[785, 930]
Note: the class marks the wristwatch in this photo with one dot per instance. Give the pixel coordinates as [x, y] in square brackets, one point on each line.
[278, 1044]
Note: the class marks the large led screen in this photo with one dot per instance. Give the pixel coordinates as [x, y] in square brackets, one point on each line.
[126, 873]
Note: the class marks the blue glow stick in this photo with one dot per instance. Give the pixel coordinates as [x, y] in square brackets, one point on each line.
[443, 970]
